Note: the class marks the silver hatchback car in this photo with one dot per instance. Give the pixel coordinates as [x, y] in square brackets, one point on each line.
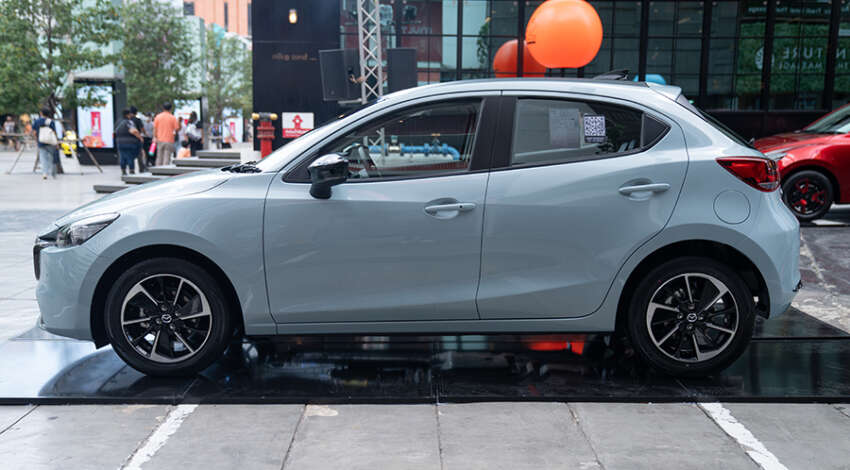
[495, 206]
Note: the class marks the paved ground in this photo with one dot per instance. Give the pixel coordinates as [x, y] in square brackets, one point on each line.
[467, 436]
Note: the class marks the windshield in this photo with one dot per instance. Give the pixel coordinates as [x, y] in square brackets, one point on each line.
[836, 122]
[294, 148]
[713, 121]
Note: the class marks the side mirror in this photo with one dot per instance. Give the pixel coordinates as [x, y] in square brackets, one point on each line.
[326, 171]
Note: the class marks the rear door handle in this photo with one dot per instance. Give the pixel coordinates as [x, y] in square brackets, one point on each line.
[639, 188]
[456, 207]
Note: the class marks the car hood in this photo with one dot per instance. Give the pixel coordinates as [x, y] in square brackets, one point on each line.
[790, 140]
[167, 188]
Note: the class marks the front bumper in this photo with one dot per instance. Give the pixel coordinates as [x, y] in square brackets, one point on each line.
[67, 278]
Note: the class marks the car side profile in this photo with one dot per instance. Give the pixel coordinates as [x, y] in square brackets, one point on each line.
[491, 206]
[813, 164]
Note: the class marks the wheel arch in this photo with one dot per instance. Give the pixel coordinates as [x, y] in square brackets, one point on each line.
[98, 304]
[705, 248]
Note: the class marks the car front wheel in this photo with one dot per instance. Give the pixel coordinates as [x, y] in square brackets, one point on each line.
[166, 317]
[691, 316]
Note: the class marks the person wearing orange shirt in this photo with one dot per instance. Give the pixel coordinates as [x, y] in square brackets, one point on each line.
[164, 127]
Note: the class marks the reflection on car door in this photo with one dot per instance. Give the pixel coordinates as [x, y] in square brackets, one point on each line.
[401, 240]
[582, 184]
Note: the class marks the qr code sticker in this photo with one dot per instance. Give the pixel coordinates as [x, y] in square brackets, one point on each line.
[594, 129]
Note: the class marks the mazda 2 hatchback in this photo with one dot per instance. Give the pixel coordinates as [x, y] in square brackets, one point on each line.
[498, 206]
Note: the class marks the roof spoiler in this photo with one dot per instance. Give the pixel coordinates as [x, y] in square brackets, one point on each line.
[619, 74]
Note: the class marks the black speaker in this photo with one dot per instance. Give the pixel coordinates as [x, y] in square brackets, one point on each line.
[401, 68]
[337, 66]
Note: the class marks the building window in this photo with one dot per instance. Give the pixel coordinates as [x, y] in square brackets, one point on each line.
[188, 8]
[799, 55]
[225, 17]
[250, 19]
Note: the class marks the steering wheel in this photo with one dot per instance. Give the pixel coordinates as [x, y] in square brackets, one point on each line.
[362, 154]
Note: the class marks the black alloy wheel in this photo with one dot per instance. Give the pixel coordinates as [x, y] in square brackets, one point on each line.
[691, 316]
[808, 194]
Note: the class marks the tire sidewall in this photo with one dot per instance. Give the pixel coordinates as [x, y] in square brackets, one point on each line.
[219, 324]
[655, 279]
[811, 174]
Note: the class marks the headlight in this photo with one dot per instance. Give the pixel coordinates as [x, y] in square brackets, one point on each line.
[76, 233]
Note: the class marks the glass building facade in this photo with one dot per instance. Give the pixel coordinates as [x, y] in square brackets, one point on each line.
[714, 50]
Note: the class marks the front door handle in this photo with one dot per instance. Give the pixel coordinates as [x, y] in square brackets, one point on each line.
[455, 207]
[640, 188]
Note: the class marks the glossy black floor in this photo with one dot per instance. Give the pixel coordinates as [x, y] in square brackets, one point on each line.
[795, 358]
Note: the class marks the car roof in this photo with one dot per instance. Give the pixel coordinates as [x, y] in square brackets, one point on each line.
[625, 89]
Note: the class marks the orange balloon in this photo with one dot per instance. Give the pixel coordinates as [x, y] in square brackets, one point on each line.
[504, 62]
[564, 33]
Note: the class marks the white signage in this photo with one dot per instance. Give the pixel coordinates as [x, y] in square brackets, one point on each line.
[95, 123]
[296, 124]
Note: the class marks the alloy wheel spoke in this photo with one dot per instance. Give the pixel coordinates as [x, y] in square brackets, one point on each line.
[137, 321]
[185, 343]
[719, 328]
[153, 354]
[140, 289]
[655, 306]
[194, 315]
[177, 294]
[688, 286]
[703, 308]
[696, 347]
[667, 336]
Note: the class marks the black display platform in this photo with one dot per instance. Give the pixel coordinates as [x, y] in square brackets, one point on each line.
[794, 358]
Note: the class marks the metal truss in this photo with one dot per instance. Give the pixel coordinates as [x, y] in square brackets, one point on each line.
[369, 47]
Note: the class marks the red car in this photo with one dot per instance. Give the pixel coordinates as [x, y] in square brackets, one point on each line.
[814, 164]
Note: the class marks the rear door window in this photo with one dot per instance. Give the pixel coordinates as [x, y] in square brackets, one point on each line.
[549, 131]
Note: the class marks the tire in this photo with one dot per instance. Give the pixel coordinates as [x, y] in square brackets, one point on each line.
[809, 194]
[665, 337]
[171, 299]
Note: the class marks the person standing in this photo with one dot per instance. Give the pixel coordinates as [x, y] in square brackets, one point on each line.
[129, 141]
[194, 134]
[147, 139]
[9, 128]
[45, 133]
[141, 128]
[164, 127]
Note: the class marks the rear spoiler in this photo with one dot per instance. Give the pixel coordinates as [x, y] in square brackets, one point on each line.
[619, 74]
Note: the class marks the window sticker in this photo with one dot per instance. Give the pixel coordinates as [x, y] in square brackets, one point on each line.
[594, 129]
[564, 128]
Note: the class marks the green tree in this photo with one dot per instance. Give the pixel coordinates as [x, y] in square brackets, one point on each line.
[227, 82]
[42, 42]
[157, 53]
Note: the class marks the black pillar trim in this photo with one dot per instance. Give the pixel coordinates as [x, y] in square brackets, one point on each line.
[702, 100]
[520, 28]
[831, 51]
[644, 39]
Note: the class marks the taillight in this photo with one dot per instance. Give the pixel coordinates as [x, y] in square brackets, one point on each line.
[760, 173]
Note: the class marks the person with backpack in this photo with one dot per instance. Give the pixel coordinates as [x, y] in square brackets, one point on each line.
[45, 131]
[129, 141]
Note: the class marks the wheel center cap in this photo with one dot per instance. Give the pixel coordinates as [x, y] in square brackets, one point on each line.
[166, 318]
[692, 317]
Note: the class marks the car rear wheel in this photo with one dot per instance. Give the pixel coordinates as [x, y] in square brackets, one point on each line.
[808, 194]
[166, 317]
[691, 316]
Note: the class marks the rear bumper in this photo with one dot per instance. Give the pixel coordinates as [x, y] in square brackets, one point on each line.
[778, 232]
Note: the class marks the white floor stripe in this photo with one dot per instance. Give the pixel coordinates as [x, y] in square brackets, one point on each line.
[754, 448]
[158, 437]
